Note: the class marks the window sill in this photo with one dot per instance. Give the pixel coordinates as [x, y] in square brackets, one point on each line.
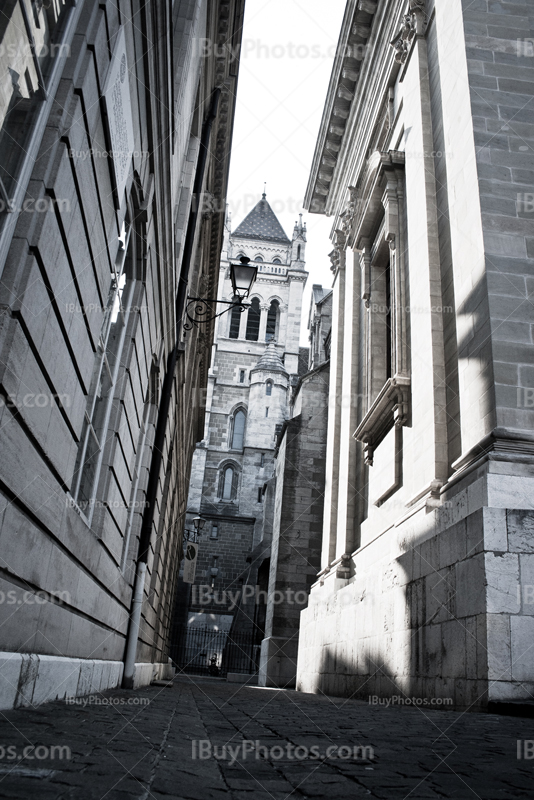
[391, 408]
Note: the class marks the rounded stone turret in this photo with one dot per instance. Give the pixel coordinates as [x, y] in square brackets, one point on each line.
[268, 398]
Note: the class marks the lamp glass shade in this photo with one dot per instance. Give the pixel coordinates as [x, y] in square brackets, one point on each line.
[243, 276]
[199, 523]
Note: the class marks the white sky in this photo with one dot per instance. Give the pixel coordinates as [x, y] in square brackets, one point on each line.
[286, 60]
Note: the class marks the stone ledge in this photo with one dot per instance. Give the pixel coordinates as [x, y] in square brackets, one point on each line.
[29, 679]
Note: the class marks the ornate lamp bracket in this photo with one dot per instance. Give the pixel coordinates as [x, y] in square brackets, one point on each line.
[199, 310]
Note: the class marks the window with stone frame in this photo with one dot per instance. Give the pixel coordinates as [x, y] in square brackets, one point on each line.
[235, 321]
[378, 233]
[30, 36]
[253, 321]
[272, 321]
[238, 425]
[107, 371]
[228, 482]
[269, 388]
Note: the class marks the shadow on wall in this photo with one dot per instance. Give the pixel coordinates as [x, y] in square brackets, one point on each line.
[414, 627]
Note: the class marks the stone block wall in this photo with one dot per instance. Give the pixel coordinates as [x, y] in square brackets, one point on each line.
[433, 600]
[297, 528]
[441, 607]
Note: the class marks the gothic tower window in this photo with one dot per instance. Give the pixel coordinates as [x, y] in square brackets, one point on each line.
[253, 321]
[276, 261]
[269, 388]
[272, 321]
[238, 430]
[258, 258]
[235, 319]
[228, 483]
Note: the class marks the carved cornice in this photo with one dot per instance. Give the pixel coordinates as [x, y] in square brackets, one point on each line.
[355, 33]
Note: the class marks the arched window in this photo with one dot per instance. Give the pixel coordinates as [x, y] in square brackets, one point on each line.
[253, 321]
[276, 261]
[235, 320]
[272, 319]
[228, 483]
[258, 258]
[238, 431]
[269, 388]
[298, 253]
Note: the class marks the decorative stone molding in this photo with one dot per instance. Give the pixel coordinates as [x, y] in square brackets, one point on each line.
[401, 44]
[337, 256]
[343, 568]
[365, 265]
[334, 261]
[414, 24]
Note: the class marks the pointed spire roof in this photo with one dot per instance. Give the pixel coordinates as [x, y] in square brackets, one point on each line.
[262, 223]
[270, 360]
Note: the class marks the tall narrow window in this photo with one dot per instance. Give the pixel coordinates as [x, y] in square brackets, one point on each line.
[238, 433]
[269, 388]
[389, 332]
[272, 319]
[260, 495]
[241, 376]
[298, 253]
[105, 377]
[228, 484]
[215, 529]
[253, 321]
[267, 411]
[235, 320]
[262, 460]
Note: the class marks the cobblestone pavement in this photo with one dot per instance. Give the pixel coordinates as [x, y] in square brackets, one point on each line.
[209, 740]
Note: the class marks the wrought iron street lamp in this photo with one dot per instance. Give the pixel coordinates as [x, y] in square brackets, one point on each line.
[194, 535]
[200, 310]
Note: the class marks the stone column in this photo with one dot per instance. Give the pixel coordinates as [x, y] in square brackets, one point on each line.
[429, 432]
[329, 546]
[243, 325]
[264, 308]
[348, 489]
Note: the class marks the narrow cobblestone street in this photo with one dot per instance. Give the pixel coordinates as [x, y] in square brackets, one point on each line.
[150, 747]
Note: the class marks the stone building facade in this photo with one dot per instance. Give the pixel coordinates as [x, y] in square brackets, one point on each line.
[255, 363]
[423, 160]
[113, 128]
[298, 485]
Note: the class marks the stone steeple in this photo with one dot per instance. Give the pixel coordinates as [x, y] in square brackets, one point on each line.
[298, 244]
[262, 223]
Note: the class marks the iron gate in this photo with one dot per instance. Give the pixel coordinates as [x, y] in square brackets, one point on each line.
[201, 651]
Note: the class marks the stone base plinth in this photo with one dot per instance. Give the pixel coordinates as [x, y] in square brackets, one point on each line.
[278, 662]
[439, 607]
